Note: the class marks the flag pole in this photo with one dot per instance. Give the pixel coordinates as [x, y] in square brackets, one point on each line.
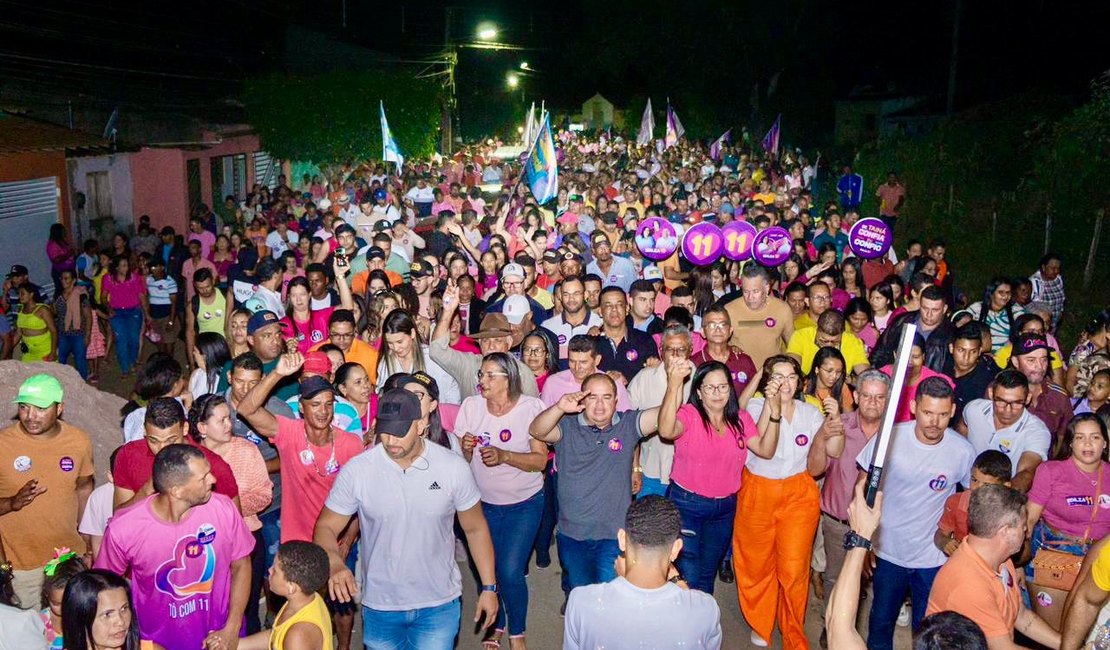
[898, 380]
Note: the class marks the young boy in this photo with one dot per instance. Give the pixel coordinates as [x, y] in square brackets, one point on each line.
[991, 467]
[300, 570]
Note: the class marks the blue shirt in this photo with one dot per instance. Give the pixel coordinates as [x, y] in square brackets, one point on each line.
[622, 273]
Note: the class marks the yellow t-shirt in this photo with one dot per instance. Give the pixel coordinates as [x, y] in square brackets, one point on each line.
[315, 613]
[544, 298]
[804, 321]
[768, 198]
[804, 344]
[1100, 570]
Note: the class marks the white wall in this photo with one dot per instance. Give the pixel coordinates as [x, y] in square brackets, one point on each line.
[118, 167]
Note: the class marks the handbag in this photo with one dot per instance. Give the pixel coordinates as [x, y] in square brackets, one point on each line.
[1058, 569]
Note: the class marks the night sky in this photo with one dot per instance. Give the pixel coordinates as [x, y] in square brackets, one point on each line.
[794, 56]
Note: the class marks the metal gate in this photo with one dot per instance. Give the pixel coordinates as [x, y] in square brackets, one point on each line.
[266, 169]
[27, 210]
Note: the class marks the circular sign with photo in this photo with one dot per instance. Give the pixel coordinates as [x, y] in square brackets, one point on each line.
[772, 246]
[870, 238]
[703, 243]
[738, 236]
[656, 239]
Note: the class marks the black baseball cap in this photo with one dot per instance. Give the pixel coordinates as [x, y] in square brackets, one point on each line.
[397, 410]
[551, 256]
[314, 385]
[18, 269]
[375, 253]
[421, 269]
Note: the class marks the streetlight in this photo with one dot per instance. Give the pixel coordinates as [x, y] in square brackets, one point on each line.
[487, 32]
[513, 80]
[524, 65]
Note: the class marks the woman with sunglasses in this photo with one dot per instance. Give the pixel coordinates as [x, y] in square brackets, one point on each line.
[508, 465]
[712, 437]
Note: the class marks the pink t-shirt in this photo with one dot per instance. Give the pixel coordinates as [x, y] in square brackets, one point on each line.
[180, 572]
[308, 334]
[706, 463]
[207, 242]
[127, 294]
[504, 484]
[908, 391]
[310, 481]
[1068, 494]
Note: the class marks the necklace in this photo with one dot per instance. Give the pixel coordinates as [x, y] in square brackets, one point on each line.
[308, 457]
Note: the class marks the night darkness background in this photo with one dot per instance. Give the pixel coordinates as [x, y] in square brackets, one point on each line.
[721, 63]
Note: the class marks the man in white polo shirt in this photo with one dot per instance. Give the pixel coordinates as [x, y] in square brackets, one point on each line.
[1004, 423]
[406, 492]
[574, 318]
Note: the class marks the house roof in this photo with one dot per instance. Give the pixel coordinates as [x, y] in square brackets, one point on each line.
[21, 134]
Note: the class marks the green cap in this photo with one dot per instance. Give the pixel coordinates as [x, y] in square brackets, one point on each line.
[40, 391]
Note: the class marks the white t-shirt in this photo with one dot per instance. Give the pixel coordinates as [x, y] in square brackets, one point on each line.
[407, 519]
[564, 331]
[448, 387]
[133, 424]
[388, 212]
[618, 614]
[1028, 434]
[795, 437]
[98, 511]
[917, 480]
[418, 195]
[278, 245]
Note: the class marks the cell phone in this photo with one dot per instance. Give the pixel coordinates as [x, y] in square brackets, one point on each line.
[341, 257]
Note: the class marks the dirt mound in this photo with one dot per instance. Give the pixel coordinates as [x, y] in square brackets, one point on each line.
[87, 408]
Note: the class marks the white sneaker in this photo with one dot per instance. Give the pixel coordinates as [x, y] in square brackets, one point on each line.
[757, 640]
[904, 615]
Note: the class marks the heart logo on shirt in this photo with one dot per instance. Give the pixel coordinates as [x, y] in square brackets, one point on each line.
[191, 569]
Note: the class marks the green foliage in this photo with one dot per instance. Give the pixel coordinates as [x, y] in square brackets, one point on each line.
[333, 117]
[985, 181]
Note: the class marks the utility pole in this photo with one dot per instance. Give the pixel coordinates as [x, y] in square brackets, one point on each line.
[448, 101]
[953, 58]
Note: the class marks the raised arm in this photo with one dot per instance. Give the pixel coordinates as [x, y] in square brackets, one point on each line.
[546, 425]
[840, 616]
[669, 426]
[341, 284]
[251, 408]
[769, 424]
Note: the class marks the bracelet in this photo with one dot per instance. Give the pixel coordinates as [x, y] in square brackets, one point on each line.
[774, 419]
[637, 470]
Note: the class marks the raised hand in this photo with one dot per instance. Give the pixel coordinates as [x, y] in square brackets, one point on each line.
[289, 363]
[832, 407]
[573, 402]
[680, 370]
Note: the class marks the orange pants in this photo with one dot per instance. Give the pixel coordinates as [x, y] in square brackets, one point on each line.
[772, 540]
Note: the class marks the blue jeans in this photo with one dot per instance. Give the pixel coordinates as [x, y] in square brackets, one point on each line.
[546, 533]
[706, 534]
[890, 584]
[651, 486]
[127, 324]
[513, 529]
[73, 344]
[430, 628]
[586, 561]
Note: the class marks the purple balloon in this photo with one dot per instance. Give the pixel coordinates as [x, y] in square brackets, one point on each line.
[870, 238]
[703, 243]
[772, 246]
[656, 239]
[739, 236]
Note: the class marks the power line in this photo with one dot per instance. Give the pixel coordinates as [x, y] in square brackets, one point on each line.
[174, 75]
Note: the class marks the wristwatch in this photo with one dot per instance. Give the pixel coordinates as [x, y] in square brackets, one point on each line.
[852, 539]
[492, 588]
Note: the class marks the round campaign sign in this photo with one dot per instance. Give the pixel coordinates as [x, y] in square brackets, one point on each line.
[703, 243]
[870, 238]
[656, 239]
[772, 246]
[738, 240]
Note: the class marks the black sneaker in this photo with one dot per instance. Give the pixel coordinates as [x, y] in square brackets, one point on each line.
[725, 573]
[543, 560]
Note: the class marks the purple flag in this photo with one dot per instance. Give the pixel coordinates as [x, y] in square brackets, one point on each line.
[715, 148]
[675, 129]
[771, 140]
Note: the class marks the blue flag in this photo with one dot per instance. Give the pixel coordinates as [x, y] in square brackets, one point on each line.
[542, 169]
[390, 152]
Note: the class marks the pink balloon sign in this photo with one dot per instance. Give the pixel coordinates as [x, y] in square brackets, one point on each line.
[870, 238]
[703, 243]
[656, 239]
[772, 246]
[738, 236]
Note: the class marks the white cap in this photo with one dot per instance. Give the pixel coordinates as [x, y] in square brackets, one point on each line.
[652, 272]
[516, 309]
[512, 268]
[323, 204]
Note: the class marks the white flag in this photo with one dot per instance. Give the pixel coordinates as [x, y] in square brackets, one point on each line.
[647, 126]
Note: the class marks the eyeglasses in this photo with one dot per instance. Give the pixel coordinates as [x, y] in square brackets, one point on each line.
[716, 389]
[676, 351]
[533, 352]
[1008, 404]
[491, 374]
[784, 377]
[716, 325]
[342, 337]
[512, 284]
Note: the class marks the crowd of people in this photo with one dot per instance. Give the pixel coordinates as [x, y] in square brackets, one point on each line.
[341, 392]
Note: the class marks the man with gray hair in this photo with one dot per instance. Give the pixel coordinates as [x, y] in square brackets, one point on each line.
[761, 324]
[651, 466]
[833, 453]
[979, 580]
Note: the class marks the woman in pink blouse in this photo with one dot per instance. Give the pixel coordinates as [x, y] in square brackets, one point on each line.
[128, 310]
[712, 436]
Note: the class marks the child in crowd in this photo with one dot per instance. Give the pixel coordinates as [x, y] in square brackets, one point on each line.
[300, 570]
[98, 510]
[1098, 393]
[991, 467]
[64, 566]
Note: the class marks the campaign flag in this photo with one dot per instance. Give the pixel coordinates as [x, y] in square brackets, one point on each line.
[530, 126]
[543, 170]
[675, 130]
[390, 152]
[647, 126]
[771, 140]
[715, 148]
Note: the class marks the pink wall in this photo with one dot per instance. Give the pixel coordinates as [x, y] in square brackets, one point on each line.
[160, 184]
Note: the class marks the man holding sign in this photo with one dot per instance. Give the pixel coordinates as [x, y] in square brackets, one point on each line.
[925, 461]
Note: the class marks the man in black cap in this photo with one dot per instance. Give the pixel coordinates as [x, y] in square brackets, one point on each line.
[411, 594]
[1046, 400]
[17, 276]
[551, 275]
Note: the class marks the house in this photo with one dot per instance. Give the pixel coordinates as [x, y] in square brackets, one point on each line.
[598, 113]
[861, 117]
[35, 189]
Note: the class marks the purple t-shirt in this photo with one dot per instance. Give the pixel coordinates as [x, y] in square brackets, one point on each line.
[180, 572]
[1068, 494]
